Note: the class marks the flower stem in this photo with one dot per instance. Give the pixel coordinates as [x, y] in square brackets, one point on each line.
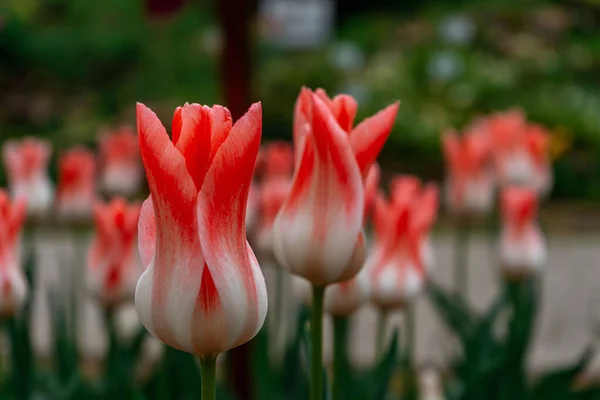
[410, 327]
[461, 258]
[381, 324]
[208, 372]
[316, 332]
[340, 340]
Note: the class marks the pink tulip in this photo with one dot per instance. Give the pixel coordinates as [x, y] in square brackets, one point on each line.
[202, 290]
[26, 164]
[470, 182]
[113, 261]
[522, 246]
[399, 263]
[121, 169]
[318, 232]
[76, 192]
[13, 287]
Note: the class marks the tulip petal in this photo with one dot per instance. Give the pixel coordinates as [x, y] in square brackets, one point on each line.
[221, 126]
[344, 110]
[162, 294]
[231, 268]
[147, 233]
[195, 140]
[368, 137]
[319, 224]
[302, 121]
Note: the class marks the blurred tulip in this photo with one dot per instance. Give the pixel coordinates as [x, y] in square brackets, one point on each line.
[371, 186]
[26, 164]
[399, 263]
[13, 287]
[76, 192]
[345, 298]
[522, 246]
[202, 290]
[470, 182]
[113, 263]
[276, 180]
[521, 152]
[318, 232]
[121, 167]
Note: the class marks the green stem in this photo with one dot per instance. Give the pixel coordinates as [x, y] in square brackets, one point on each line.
[340, 341]
[208, 372]
[380, 343]
[316, 332]
[461, 258]
[409, 327]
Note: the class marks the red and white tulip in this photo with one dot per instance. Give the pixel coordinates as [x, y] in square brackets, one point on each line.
[202, 290]
[26, 164]
[277, 165]
[470, 183]
[13, 287]
[76, 192]
[400, 261]
[521, 151]
[121, 167]
[318, 232]
[113, 261]
[523, 250]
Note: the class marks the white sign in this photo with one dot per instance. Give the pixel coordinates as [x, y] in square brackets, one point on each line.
[297, 23]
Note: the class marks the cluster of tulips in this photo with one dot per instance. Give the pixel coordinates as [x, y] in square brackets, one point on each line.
[315, 209]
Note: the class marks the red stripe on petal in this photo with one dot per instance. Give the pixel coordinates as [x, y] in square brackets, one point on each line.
[195, 140]
[368, 138]
[208, 296]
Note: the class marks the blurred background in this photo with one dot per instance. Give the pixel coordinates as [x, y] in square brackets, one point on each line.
[69, 68]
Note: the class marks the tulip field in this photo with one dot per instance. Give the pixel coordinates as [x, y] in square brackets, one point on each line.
[185, 243]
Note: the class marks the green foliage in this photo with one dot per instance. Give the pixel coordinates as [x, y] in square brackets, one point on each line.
[492, 364]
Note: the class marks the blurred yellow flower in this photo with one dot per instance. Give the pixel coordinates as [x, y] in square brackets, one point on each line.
[560, 141]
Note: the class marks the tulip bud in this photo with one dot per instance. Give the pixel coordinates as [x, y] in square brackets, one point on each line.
[113, 262]
[202, 290]
[318, 232]
[13, 287]
[522, 246]
[121, 167]
[76, 194]
[26, 164]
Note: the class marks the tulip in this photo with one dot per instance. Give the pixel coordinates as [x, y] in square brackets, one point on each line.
[276, 168]
[521, 152]
[76, 192]
[470, 183]
[121, 170]
[399, 267]
[113, 262]
[13, 287]
[202, 290]
[26, 164]
[318, 231]
[522, 246]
